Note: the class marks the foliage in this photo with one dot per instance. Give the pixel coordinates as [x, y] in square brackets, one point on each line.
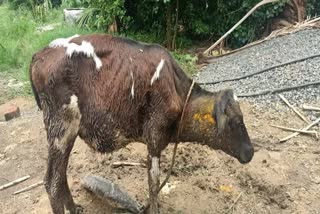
[186, 61]
[102, 13]
[19, 39]
[313, 8]
[201, 19]
[73, 3]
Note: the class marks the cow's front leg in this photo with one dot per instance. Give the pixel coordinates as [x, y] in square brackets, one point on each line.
[154, 182]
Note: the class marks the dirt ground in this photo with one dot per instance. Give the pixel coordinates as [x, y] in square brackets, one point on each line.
[282, 178]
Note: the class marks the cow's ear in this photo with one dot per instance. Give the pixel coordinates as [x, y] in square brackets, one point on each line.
[222, 101]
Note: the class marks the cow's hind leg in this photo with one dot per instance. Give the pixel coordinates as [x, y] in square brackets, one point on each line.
[62, 131]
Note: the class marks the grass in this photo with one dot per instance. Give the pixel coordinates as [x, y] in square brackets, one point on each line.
[20, 39]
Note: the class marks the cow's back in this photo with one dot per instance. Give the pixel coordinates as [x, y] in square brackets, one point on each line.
[115, 99]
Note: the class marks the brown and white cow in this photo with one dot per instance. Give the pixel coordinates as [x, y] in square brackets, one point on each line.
[110, 91]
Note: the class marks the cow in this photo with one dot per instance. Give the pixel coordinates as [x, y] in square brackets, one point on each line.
[111, 91]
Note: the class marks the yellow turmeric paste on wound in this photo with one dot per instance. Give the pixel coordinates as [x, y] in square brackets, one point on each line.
[205, 113]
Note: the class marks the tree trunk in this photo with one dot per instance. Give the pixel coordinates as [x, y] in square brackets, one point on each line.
[175, 26]
[300, 9]
[169, 26]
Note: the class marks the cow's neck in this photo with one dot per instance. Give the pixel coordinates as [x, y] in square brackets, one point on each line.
[198, 123]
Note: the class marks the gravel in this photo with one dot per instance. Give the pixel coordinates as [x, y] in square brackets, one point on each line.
[276, 51]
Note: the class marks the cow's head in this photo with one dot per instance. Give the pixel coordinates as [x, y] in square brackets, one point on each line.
[232, 137]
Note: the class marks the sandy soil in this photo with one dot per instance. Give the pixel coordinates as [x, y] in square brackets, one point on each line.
[282, 178]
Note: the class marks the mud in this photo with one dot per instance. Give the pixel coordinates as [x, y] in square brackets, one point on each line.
[282, 178]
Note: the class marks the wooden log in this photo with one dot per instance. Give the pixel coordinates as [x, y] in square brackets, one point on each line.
[12, 183]
[297, 133]
[294, 109]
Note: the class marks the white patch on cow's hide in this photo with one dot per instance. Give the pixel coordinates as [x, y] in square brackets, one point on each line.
[87, 49]
[62, 42]
[156, 74]
[235, 97]
[132, 87]
[74, 103]
[71, 125]
[155, 171]
[97, 60]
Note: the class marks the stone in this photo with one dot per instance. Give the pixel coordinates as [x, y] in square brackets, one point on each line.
[12, 113]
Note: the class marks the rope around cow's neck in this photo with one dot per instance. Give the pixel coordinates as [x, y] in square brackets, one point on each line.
[175, 145]
[178, 137]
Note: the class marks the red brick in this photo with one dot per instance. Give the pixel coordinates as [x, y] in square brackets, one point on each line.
[12, 112]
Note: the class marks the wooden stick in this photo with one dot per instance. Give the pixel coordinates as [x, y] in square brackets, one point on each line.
[28, 188]
[294, 109]
[124, 163]
[310, 108]
[234, 203]
[263, 2]
[273, 34]
[12, 183]
[304, 129]
[271, 91]
[296, 130]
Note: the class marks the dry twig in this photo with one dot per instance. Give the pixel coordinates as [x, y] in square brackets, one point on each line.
[29, 187]
[234, 203]
[12, 183]
[294, 109]
[297, 130]
[124, 163]
[304, 129]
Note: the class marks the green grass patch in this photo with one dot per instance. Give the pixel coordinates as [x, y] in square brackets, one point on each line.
[20, 39]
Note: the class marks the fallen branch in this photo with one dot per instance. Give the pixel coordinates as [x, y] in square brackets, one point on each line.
[276, 33]
[294, 109]
[29, 187]
[304, 129]
[123, 163]
[12, 183]
[263, 2]
[261, 71]
[296, 130]
[310, 108]
[272, 91]
[234, 203]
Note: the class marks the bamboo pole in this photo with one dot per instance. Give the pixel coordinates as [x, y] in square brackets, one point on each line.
[263, 2]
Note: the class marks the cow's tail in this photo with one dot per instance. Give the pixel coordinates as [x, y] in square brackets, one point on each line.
[34, 90]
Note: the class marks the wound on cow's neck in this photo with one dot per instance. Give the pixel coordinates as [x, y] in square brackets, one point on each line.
[202, 109]
[199, 123]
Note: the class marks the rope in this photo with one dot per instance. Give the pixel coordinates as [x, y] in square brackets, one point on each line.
[272, 91]
[175, 145]
[261, 71]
